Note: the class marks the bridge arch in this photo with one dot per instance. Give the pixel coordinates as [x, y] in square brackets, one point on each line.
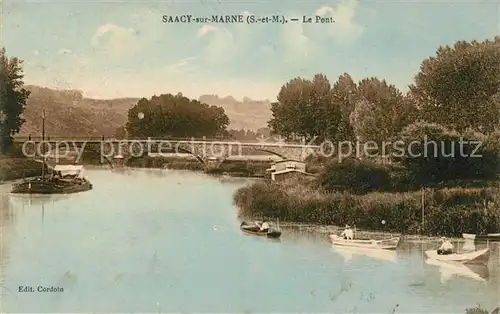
[271, 152]
[191, 153]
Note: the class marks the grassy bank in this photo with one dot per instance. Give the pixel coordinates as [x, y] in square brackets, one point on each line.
[448, 211]
[13, 168]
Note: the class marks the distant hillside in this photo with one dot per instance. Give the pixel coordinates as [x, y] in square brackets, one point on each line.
[247, 114]
[68, 113]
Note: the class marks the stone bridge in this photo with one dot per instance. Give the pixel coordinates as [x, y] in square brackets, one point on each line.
[203, 150]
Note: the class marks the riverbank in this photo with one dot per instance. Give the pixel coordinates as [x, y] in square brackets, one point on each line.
[447, 211]
[15, 168]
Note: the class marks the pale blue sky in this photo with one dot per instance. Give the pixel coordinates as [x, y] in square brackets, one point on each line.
[121, 49]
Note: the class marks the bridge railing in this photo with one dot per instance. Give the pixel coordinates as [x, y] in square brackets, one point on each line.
[21, 139]
[104, 138]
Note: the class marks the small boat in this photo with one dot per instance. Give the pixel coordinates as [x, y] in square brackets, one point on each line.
[255, 230]
[385, 244]
[476, 257]
[489, 236]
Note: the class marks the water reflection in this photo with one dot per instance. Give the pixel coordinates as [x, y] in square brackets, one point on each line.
[143, 234]
[450, 269]
[348, 253]
[35, 200]
[6, 218]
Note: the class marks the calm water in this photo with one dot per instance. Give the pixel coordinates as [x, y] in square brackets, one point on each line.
[144, 241]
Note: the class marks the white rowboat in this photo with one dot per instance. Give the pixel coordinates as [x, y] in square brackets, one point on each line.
[476, 257]
[386, 244]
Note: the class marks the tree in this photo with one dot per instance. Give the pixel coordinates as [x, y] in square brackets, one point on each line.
[305, 108]
[13, 99]
[381, 111]
[176, 116]
[289, 114]
[343, 96]
[459, 87]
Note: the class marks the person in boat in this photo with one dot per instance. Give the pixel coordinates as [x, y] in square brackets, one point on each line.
[264, 226]
[347, 234]
[446, 247]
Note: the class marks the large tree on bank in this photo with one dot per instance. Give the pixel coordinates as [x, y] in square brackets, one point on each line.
[381, 111]
[459, 87]
[13, 99]
[177, 116]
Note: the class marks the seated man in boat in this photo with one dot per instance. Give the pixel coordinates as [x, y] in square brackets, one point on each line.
[446, 247]
[348, 234]
[264, 226]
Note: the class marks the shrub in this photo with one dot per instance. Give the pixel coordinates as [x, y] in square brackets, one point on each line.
[444, 155]
[356, 176]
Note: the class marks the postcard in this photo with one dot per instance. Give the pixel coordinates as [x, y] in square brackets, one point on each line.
[337, 156]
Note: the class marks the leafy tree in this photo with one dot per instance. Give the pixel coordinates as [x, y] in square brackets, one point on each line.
[13, 99]
[381, 111]
[176, 116]
[305, 108]
[292, 113]
[344, 95]
[459, 87]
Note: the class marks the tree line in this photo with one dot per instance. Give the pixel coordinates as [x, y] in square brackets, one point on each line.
[458, 88]
[455, 97]
[13, 99]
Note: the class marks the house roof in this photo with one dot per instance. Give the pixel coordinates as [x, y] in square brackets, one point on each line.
[288, 160]
[68, 168]
[293, 170]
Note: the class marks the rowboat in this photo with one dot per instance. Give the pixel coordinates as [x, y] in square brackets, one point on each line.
[489, 236]
[386, 244]
[255, 230]
[476, 257]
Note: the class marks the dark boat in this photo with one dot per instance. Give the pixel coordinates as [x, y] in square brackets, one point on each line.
[255, 230]
[65, 179]
[483, 237]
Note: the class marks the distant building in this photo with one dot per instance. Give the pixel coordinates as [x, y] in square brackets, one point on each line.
[284, 169]
[290, 173]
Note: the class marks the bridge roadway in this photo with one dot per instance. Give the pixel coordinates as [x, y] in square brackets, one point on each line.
[97, 140]
[195, 146]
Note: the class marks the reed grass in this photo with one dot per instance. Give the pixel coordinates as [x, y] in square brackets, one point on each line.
[448, 211]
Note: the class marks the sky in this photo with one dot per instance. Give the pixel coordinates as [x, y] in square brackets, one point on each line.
[120, 49]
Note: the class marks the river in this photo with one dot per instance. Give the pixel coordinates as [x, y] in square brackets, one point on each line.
[164, 241]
